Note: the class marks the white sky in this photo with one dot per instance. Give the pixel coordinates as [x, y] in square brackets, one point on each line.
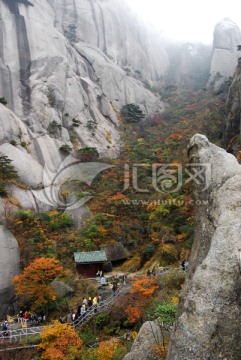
[188, 20]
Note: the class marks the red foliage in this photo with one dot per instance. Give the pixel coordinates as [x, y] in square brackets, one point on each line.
[175, 136]
[192, 107]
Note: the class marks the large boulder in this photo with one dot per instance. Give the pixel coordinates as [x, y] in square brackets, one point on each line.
[62, 289]
[9, 267]
[146, 343]
[208, 318]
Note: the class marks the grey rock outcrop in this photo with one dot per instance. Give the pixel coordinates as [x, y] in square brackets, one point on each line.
[9, 267]
[233, 113]
[208, 318]
[67, 67]
[146, 343]
[226, 37]
[62, 289]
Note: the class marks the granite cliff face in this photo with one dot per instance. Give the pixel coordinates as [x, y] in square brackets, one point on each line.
[146, 343]
[9, 266]
[226, 38]
[208, 318]
[66, 69]
[233, 113]
[76, 63]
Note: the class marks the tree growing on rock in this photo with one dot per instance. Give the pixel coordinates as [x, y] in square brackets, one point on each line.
[3, 100]
[7, 170]
[132, 113]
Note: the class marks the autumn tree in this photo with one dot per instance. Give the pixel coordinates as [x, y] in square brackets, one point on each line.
[141, 294]
[60, 341]
[34, 284]
[107, 349]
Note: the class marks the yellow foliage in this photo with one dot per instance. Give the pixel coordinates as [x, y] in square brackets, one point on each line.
[174, 300]
[18, 184]
[152, 205]
[239, 156]
[108, 137]
[161, 351]
[53, 213]
[182, 236]
[14, 201]
[107, 349]
[169, 249]
[141, 141]
[59, 341]
[175, 162]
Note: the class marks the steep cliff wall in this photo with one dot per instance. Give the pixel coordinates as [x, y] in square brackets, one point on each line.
[9, 266]
[66, 69]
[233, 113]
[226, 37]
[208, 318]
[76, 60]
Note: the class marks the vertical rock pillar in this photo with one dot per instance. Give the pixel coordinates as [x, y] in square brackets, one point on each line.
[208, 322]
[9, 267]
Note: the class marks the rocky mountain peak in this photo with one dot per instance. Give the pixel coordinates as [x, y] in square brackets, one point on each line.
[208, 317]
[226, 38]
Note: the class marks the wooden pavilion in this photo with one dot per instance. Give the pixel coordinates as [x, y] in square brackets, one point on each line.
[89, 262]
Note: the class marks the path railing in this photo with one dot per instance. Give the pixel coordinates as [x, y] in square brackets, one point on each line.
[18, 334]
[102, 306]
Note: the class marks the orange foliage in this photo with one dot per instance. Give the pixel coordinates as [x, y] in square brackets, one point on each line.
[134, 313]
[183, 121]
[161, 351]
[142, 290]
[107, 349]
[59, 341]
[181, 237]
[175, 136]
[35, 280]
[152, 205]
[119, 196]
[192, 106]
[144, 286]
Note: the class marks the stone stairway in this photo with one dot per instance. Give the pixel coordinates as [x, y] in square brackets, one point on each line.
[18, 334]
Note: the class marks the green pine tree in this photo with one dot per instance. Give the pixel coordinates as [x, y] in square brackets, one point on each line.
[7, 170]
[132, 113]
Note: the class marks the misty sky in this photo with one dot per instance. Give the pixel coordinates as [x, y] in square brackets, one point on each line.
[188, 20]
